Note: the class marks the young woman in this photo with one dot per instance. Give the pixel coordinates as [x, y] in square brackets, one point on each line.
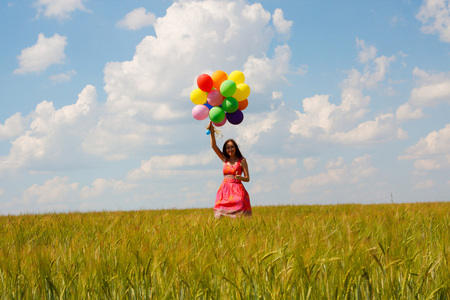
[232, 199]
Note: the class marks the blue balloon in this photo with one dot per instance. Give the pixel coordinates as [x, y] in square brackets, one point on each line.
[208, 132]
[209, 106]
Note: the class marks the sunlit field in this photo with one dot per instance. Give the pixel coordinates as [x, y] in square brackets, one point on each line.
[397, 251]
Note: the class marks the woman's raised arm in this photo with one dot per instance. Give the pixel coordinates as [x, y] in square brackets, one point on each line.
[213, 142]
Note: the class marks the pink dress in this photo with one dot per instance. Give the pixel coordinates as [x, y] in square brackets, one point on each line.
[232, 199]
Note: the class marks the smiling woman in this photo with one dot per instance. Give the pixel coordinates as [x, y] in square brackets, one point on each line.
[232, 199]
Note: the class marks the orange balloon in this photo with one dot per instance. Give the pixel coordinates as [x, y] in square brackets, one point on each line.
[243, 104]
[218, 77]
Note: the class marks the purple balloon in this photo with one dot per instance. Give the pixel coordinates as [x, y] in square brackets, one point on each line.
[235, 118]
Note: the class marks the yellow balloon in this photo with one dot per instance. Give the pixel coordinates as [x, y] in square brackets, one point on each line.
[198, 97]
[242, 92]
[237, 76]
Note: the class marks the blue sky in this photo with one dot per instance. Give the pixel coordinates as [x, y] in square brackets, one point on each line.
[349, 102]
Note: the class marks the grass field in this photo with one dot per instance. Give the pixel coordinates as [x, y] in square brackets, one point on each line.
[397, 251]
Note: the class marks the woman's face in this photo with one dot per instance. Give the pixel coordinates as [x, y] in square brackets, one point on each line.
[231, 149]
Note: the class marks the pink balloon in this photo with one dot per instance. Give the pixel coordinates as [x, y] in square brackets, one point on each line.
[214, 98]
[200, 112]
[221, 123]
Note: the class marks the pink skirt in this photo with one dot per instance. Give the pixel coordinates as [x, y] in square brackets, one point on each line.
[232, 199]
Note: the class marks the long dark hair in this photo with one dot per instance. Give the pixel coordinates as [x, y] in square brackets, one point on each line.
[224, 149]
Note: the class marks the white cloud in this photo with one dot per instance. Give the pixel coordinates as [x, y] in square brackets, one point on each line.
[406, 112]
[396, 21]
[333, 164]
[261, 187]
[264, 73]
[332, 176]
[427, 164]
[146, 95]
[137, 19]
[13, 127]
[53, 137]
[46, 52]
[360, 169]
[435, 143]
[166, 166]
[316, 119]
[425, 184]
[430, 93]
[277, 95]
[435, 16]
[317, 122]
[266, 164]
[59, 9]
[194, 36]
[56, 190]
[433, 90]
[102, 185]
[255, 125]
[287, 162]
[324, 120]
[116, 136]
[302, 70]
[381, 65]
[63, 77]
[310, 162]
[382, 129]
[255, 12]
[366, 54]
[431, 152]
[282, 26]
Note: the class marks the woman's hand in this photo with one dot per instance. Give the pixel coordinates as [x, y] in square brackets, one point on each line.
[238, 177]
[211, 127]
[246, 177]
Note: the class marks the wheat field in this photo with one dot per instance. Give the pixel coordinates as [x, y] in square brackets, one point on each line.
[395, 251]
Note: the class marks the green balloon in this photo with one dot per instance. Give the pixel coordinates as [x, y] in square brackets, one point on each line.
[230, 105]
[228, 88]
[216, 114]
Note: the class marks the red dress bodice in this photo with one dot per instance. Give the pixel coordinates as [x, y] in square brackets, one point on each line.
[231, 170]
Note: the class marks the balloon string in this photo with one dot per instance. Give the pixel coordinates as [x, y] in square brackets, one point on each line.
[218, 133]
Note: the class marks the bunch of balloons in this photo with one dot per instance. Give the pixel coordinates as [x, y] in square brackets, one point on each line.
[220, 97]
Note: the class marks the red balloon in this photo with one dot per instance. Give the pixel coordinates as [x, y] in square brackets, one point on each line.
[205, 82]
